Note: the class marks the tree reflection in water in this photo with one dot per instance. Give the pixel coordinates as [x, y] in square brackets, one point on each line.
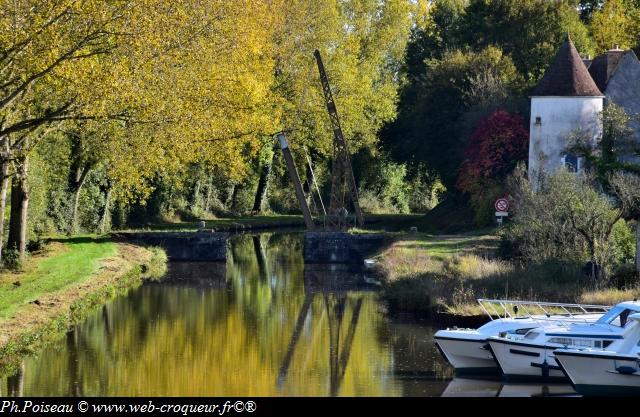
[261, 324]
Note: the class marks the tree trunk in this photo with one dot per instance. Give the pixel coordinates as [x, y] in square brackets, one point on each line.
[74, 210]
[234, 198]
[196, 196]
[263, 184]
[4, 185]
[19, 208]
[76, 181]
[106, 212]
[207, 201]
[231, 191]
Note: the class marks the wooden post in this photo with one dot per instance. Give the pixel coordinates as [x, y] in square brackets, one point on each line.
[295, 179]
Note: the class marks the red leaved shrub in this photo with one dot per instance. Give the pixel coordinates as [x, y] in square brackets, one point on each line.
[497, 144]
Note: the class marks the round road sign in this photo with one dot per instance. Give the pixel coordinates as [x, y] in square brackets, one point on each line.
[502, 204]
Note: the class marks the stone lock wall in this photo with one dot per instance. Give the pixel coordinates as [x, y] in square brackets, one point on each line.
[185, 246]
[341, 247]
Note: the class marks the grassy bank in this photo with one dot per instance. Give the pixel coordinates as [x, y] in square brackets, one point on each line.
[61, 285]
[426, 274]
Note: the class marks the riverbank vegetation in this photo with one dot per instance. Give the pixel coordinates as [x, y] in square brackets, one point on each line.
[62, 283]
[566, 242]
[427, 275]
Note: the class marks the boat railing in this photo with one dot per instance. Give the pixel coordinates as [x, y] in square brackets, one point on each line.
[558, 313]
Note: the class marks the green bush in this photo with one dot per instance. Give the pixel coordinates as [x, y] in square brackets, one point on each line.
[36, 244]
[568, 218]
[625, 276]
[425, 189]
[624, 244]
[11, 259]
[384, 189]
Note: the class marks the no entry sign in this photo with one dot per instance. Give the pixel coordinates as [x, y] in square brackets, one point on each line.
[502, 204]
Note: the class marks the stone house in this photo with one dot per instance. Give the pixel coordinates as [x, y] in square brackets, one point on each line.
[570, 96]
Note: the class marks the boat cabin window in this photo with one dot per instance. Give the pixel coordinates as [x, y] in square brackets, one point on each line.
[621, 320]
[561, 340]
[531, 335]
[617, 316]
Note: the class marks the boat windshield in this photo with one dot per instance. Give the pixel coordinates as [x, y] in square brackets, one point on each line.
[617, 316]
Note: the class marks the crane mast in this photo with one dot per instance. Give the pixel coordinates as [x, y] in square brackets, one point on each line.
[343, 183]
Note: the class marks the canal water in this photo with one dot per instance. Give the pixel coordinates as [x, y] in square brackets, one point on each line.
[261, 324]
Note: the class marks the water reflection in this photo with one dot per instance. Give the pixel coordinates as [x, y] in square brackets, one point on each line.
[261, 324]
[463, 387]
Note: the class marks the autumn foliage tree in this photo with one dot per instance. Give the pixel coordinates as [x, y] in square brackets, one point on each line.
[497, 144]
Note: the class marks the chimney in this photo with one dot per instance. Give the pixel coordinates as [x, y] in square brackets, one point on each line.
[613, 59]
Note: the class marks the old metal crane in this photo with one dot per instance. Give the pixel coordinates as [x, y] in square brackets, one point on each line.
[343, 184]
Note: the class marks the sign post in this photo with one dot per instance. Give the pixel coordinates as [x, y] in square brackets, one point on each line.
[502, 210]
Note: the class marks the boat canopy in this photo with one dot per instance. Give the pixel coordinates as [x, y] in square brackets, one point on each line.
[619, 314]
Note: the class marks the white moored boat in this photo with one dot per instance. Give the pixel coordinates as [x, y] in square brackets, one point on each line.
[614, 371]
[531, 356]
[467, 349]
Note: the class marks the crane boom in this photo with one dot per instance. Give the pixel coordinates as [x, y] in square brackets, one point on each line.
[343, 182]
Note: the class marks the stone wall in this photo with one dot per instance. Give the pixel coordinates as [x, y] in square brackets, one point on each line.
[185, 246]
[341, 247]
[558, 118]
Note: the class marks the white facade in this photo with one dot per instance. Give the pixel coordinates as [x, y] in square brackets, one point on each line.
[553, 119]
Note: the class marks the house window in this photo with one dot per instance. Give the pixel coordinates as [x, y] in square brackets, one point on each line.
[570, 162]
[538, 120]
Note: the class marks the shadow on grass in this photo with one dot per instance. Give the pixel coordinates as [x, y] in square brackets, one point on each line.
[81, 239]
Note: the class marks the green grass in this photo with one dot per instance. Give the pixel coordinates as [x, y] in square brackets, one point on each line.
[74, 260]
[447, 246]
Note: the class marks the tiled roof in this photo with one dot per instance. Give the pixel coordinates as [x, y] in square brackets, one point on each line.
[567, 75]
[603, 67]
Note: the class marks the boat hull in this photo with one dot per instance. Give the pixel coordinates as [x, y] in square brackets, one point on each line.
[599, 373]
[521, 361]
[468, 357]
